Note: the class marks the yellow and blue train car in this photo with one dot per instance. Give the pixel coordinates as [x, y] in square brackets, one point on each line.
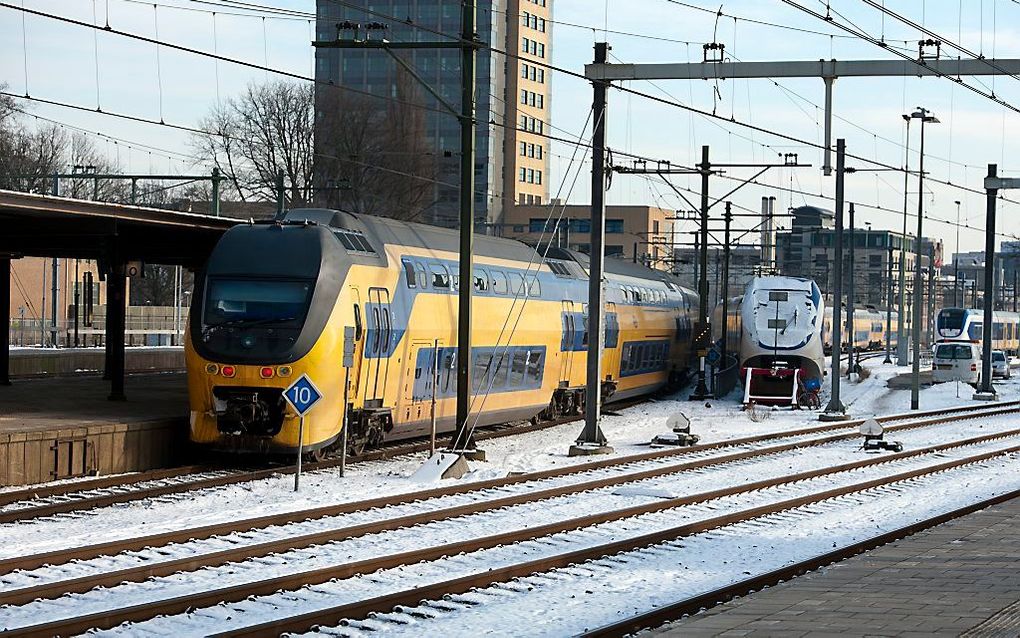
[273, 301]
[869, 329]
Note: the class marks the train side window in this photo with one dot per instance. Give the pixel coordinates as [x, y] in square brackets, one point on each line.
[423, 279]
[449, 362]
[479, 372]
[517, 284]
[534, 368]
[481, 280]
[534, 287]
[440, 276]
[499, 378]
[499, 282]
[519, 367]
[409, 273]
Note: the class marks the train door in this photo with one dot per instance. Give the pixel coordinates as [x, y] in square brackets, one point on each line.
[378, 345]
[610, 340]
[567, 340]
[419, 380]
[359, 332]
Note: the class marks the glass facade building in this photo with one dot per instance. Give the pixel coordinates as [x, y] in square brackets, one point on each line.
[498, 105]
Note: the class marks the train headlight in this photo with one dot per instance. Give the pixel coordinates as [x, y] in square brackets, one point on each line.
[266, 372]
[212, 368]
[228, 371]
[284, 371]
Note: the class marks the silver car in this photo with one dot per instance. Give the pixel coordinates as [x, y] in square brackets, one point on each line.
[1000, 365]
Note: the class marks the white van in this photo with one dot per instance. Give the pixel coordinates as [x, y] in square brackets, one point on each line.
[956, 361]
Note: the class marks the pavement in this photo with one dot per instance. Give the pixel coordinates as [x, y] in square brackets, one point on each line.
[32, 405]
[958, 579]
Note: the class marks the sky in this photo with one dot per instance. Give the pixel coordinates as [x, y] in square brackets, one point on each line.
[57, 61]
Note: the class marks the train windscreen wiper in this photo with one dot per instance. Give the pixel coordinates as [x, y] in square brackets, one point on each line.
[245, 322]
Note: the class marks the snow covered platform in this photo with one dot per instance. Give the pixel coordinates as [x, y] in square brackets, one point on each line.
[960, 578]
[65, 427]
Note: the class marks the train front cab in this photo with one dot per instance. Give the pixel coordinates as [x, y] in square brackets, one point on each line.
[269, 309]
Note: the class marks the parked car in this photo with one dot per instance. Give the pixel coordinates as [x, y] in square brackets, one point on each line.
[1000, 365]
[956, 362]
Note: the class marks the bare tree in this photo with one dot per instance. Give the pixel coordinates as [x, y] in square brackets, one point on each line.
[267, 129]
[374, 160]
[28, 158]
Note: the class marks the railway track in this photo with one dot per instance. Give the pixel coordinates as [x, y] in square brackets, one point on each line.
[540, 492]
[77, 496]
[162, 483]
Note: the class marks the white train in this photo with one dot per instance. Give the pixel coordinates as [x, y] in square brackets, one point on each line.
[966, 324]
[776, 329]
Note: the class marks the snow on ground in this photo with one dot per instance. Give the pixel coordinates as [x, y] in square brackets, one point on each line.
[629, 432]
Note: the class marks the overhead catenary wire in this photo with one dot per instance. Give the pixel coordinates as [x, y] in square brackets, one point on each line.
[538, 63]
[920, 63]
[543, 64]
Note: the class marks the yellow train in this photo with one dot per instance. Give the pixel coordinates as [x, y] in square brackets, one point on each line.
[273, 301]
[869, 330]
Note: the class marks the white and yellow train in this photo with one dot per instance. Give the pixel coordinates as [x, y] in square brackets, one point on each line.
[273, 301]
[869, 329]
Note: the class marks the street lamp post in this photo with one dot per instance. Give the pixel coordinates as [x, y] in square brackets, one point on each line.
[926, 118]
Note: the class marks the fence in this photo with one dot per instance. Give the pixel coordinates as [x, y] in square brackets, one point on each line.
[144, 326]
[726, 378]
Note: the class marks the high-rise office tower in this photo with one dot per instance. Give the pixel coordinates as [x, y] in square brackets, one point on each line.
[379, 152]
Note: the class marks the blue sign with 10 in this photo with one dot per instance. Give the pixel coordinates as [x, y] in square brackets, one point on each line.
[302, 394]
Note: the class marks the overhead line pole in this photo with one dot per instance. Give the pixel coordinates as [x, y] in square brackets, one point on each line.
[592, 440]
[463, 442]
[835, 410]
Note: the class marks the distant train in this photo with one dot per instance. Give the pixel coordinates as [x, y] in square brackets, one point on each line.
[966, 324]
[869, 330]
[272, 303]
[775, 327]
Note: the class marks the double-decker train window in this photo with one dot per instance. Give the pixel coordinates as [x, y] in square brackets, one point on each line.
[479, 371]
[534, 367]
[449, 362]
[534, 287]
[519, 367]
[440, 276]
[502, 373]
[517, 284]
[499, 282]
[409, 272]
[481, 280]
[423, 278]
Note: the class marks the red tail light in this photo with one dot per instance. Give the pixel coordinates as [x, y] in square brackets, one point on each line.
[266, 373]
[228, 371]
[973, 367]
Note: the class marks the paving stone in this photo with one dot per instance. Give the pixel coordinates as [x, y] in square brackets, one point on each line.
[940, 582]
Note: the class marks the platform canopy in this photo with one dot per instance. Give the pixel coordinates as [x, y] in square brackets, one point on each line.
[44, 226]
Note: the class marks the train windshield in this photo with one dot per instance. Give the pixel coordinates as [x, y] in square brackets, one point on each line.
[951, 319]
[256, 301]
